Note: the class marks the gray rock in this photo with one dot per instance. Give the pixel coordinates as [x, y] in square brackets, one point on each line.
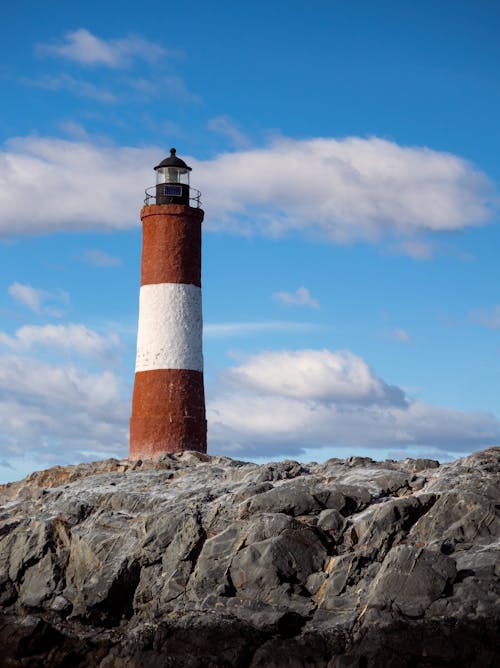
[39, 583]
[331, 521]
[410, 579]
[195, 561]
[290, 499]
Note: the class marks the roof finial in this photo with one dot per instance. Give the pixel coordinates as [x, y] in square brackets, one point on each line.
[172, 152]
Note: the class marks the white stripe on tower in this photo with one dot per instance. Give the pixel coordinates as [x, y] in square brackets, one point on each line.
[170, 327]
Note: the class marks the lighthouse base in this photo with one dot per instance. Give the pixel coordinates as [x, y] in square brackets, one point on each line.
[168, 413]
[152, 436]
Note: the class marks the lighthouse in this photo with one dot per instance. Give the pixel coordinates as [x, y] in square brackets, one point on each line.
[168, 404]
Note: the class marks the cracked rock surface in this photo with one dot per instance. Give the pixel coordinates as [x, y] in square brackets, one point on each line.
[198, 561]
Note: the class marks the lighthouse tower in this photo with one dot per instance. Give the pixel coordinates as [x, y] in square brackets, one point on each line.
[168, 405]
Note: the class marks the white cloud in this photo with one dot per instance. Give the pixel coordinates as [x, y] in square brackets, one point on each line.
[322, 375]
[35, 299]
[338, 190]
[71, 338]
[282, 403]
[100, 258]
[58, 411]
[59, 386]
[345, 190]
[54, 411]
[74, 185]
[85, 48]
[272, 404]
[301, 297]
[487, 317]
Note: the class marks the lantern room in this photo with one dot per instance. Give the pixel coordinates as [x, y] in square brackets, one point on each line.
[172, 180]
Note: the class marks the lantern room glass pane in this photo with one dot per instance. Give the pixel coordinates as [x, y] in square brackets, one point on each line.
[172, 175]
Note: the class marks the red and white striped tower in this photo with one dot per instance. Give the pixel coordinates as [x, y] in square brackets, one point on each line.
[168, 404]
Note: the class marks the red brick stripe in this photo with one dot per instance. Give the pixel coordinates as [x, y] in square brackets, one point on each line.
[168, 413]
[171, 244]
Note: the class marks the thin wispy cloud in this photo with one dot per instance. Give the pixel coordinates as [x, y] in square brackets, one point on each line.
[124, 89]
[85, 48]
[178, 89]
[401, 335]
[99, 258]
[74, 129]
[161, 86]
[36, 299]
[417, 249]
[227, 127]
[77, 87]
[228, 329]
[301, 297]
[487, 317]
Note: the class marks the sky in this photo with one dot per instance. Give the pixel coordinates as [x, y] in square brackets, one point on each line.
[347, 155]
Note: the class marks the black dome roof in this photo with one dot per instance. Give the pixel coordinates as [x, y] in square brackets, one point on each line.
[173, 161]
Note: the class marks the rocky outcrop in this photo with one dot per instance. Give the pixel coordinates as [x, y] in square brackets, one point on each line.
[206, 561]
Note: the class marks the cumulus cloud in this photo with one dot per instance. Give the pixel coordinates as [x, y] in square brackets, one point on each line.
[72, 338]
[60, 386]
[57, 411]
[35, 298]
[338, 376]
[272, 404]
[344, 190]
[57, 408]
[338, 190]
[83, 47]
[74, 185]
[301, 297]
[281, 403]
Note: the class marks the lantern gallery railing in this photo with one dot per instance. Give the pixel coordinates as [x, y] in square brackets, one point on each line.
[152, 194]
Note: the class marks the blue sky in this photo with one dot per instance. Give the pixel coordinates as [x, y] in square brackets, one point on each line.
[348, 158]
